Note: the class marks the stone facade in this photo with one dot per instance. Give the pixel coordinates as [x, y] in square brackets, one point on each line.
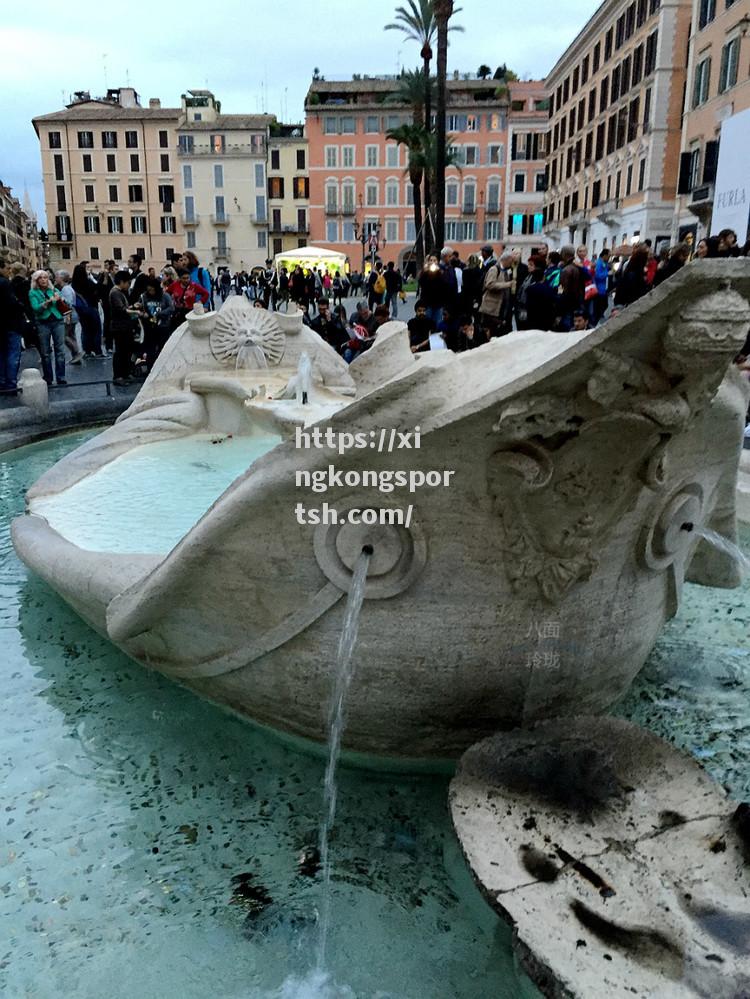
[357, 181]
[110, 179]
[288, 188]
[617, 95]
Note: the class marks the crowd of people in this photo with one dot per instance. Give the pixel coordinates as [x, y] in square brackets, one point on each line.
[130, 314]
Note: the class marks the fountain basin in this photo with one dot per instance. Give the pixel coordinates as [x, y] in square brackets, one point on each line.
[533, 587]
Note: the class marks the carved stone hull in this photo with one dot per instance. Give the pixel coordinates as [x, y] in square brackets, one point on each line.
[533, 587]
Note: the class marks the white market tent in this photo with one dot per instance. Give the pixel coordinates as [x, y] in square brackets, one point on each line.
[311, 256]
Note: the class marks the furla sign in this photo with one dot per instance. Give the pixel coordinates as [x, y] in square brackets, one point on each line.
[732, 193]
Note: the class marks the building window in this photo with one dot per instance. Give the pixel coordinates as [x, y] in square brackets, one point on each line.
[260, 207]
[702, 82]
[391, 155]
[168, 224]
[706, 13]
[54, 140]
[109, 140]
[302, 219]
[497, 122]
[641, 174]
[470, 198]
[185, 143]
[261, 239]
[131, 140]
[371, 194]
[187, 177]
[117, 253]
[348, 125]
[301, 158]
[163, 139]
[451, 194]
[275, 159]
[138, 224]
[347, 232]
[332, 231]
[371, 156]
[189, 209]
[347, 156]
[218, 143]
[91, 223]
[332, 157]
[372, 123]
[135, 192]
[391, 230]
[85, 140]
[218, 175]
[646, 109]
[540, 183]
[88, 193]
[59, 169]
[471, 155]
[301, 187]
[219, 208]
[111, 163]
[519, 182]
[114, 195]
[493, 197]
[114, 224]
[221, 240]
[93, 253]
[190, 239]
[61, 204]
[164, 162]
[260, 175]
[330, 126]
[275, 187]
[135, 163]
[729, 59]
[391, 193]
[650, 64]
[166, 196]
[347, 196]
[496, 154]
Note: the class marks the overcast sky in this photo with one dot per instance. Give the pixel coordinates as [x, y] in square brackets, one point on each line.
[254, 56]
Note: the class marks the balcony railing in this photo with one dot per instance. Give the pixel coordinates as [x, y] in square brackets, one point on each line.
[222, 219]
[293, 229]
[469, 210]
[61, 237]
[348, 209]
[258, 219]
[220, 252]
[189, 220]
[493, 207]
[332, 209]
[231, 149]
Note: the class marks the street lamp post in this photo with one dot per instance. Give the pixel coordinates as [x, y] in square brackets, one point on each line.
[370, 239]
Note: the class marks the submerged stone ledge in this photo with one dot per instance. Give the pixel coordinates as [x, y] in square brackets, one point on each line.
[622, 868]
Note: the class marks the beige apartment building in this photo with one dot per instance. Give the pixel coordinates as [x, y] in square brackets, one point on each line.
[617, 96]
[288, 188]
[526, 177]
[222, 160]
[109, 169]
[718, 87]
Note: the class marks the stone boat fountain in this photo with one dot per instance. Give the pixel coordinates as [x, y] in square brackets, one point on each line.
[532, 588]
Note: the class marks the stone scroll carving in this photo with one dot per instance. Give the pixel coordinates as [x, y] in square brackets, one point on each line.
[569, 468]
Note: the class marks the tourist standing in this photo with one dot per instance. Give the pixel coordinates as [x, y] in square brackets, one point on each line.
[122, 323]
[678, 257]
[601, 280]
[494, 297]
[70, 319]
[12, 322]
[87, 307]
[106, 284]
[632, 282]
[185, 293]
[157, 311]
[44, 301]
[571, 290]
[393, 287]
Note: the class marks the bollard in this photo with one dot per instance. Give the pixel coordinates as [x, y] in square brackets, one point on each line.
[34, 391]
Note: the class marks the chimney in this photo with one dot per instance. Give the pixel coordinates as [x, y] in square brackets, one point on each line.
[154, 102]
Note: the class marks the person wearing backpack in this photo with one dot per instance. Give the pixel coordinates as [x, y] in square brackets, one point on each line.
[376, 286]
[198, 275]
[393, 285]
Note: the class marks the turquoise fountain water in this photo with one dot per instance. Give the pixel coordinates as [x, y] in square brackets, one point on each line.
[151, 843]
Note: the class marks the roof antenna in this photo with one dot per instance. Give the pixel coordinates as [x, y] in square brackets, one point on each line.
[104, 63]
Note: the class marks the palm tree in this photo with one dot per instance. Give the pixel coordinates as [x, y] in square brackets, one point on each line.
[412, 136]
[414, 90]
[443, 11]
[484, 71]
[421, 147]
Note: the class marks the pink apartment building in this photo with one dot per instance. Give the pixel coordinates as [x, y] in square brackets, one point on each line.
[358, 179]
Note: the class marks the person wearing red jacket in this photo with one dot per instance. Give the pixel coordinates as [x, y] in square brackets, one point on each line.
[185, 293]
